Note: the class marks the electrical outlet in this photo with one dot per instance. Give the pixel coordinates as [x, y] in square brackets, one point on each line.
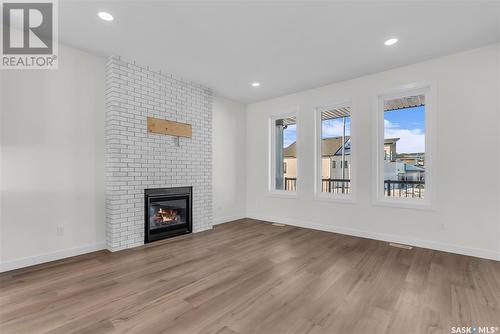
[60, 230]
[442, 225]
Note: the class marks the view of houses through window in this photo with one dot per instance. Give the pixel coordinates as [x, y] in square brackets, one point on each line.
[285, 165]
[404, 147]
[336, 150]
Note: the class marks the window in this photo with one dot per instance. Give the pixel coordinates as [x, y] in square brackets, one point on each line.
[404, 167]
[284, 154]
[333, 151]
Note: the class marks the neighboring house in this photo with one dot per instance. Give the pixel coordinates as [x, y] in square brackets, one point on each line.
[416, 159]
[290, 161]
[332, 163]
[404, 166]
[414, 173]
[336, 164]
[331, 159]
[401, 171]
[334, 167]
[390, 149]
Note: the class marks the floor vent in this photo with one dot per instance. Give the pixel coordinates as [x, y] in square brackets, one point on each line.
[278, 224]
[400, 245]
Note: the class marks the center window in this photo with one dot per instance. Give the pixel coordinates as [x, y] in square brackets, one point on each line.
[334, 151]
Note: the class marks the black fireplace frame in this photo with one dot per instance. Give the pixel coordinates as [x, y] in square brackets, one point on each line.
[155, 193]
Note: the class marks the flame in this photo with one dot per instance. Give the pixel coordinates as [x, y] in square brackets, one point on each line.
[166, 215]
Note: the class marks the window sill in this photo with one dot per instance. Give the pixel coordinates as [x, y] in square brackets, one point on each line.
[404, 203]
[283, 194]
[345, 199]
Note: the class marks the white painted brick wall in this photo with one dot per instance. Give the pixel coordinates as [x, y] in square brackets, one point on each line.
[136, 159]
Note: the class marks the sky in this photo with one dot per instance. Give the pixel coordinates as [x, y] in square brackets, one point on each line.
[331, 128]
[408, 125]
[289, 135]
[334, 127]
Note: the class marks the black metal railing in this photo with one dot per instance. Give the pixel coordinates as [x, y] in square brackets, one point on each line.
[412, 189]
[291, 183]
[336, 186]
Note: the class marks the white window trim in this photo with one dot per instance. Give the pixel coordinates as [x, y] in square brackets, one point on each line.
[429, 200]
[318, 193]
[272, 191]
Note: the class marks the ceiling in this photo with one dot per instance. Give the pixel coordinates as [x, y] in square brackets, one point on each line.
[286, 46]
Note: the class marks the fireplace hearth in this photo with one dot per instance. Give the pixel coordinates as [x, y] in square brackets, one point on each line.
[168, 212]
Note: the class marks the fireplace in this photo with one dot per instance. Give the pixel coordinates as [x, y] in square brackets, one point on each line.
[168, 212]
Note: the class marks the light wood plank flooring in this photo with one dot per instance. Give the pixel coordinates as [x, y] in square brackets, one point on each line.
[251, 277]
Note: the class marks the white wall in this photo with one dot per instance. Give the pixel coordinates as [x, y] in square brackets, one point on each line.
[466, 220]
[229, 160]
[52, 160]
[52, 169]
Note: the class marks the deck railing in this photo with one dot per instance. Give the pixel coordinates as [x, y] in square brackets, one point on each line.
[341, 186]
[412, 189]
[336, 186]
[291, 183]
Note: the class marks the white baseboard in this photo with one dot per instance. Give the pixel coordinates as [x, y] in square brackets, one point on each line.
[445, 247]
[202, 229]
[222, 220]
[52, 256]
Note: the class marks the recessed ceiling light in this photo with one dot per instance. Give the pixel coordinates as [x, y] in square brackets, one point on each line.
[391, 41]
[255, 84]
[105, 16]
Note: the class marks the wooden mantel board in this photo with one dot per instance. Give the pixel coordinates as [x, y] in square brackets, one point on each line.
[171, 128]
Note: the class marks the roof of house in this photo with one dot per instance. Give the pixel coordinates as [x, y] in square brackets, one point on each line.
[390, 140]
[411, 168]
[329, 146]
[290, 151]
[411, 155]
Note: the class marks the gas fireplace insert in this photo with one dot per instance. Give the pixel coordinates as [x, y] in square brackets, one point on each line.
[168, 212]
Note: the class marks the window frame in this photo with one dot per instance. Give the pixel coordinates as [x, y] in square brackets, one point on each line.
[318, 172]
[272, 191]
[429, 201]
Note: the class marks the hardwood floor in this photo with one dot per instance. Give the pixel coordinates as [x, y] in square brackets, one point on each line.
[251, 277]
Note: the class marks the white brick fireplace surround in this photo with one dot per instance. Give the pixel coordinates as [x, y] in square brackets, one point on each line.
[136, 159]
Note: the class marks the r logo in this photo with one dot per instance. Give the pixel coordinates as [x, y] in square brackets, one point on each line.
[28, 28]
